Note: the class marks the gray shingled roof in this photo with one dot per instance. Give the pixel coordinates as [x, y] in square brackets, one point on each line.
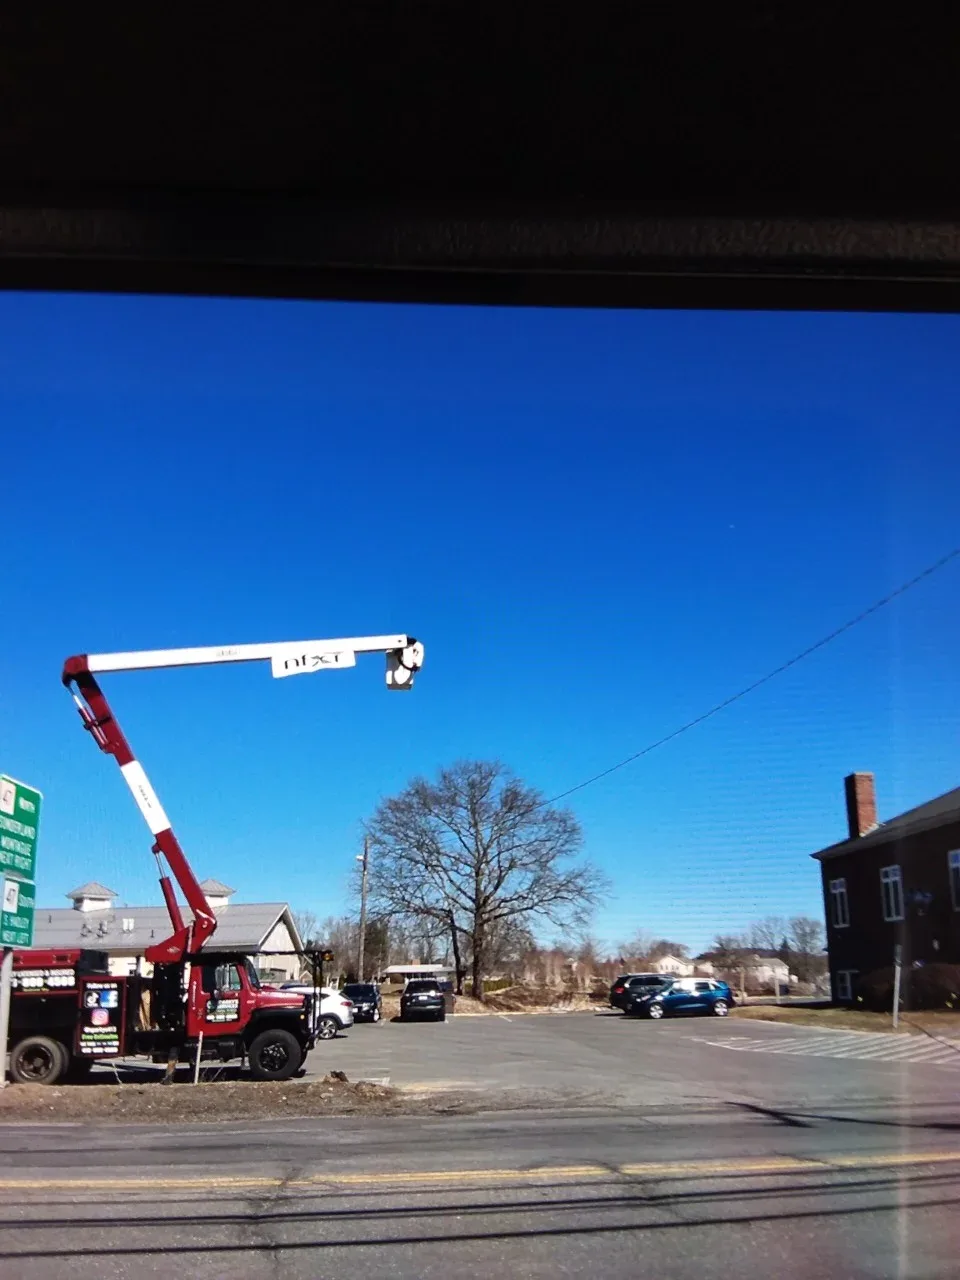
[216, 887]
[940, 812]
[240, 927]
[92, 889]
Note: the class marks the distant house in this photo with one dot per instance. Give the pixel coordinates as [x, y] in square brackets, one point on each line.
[767, 968]
[675, 966]
[94, 922]
[891, 884]
[403, 972]
[753, 968]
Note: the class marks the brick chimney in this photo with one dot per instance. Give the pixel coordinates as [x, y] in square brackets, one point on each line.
[861, 804]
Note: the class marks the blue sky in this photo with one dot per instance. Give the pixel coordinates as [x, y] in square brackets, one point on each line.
[599, 523]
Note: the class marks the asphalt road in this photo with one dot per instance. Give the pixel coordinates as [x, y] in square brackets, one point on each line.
[676, 1193]
[602, 1059]
[686, 1149]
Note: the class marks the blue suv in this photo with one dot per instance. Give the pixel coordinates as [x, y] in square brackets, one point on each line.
[683, 996]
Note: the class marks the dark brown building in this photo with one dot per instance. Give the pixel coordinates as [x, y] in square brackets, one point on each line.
[891, 884]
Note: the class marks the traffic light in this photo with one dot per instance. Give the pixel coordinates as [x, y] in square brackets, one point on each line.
[326, 956]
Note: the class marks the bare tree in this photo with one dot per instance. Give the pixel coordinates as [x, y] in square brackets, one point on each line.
[307, 927]
[768, 934]
[508, 941]
[806, 948]
[340, 934]
[475, 849]
[639, 947]
[664, 947]
[806, 935]
[727, 952]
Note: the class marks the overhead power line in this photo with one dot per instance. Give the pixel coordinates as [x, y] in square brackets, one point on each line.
[771, 675]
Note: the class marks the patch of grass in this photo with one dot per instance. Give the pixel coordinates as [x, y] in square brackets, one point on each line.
[945, 1023]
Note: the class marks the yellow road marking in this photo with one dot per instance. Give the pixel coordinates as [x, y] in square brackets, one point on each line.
[893, 1159]
[743, 1167]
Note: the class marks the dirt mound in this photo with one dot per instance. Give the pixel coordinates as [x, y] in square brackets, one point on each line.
[522, 999]
[215, 1100]
[226, 1100]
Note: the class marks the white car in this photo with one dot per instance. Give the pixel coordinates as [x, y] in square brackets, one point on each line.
[332, 1011]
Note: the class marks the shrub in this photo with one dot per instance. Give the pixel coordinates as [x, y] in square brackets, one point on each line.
[933, 986]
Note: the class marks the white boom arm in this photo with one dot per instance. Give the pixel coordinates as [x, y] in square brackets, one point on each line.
[404, 659]
[286, 658]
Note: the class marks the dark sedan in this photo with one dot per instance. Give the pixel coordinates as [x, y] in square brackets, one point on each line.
[426, 998]
[367, 1004]
[629, 985]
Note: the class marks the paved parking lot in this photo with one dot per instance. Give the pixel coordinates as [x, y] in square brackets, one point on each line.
[602, 1057]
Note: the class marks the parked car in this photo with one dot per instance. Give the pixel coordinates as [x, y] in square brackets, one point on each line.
[628, 983]
[683, 996]
[332, 1010]
[427, 998]
[366, 1000]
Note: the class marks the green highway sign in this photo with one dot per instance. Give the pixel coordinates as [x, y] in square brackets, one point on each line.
[16, 918]
[19, 824]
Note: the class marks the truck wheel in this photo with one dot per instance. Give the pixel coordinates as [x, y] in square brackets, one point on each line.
[37, 1060]
[274, 1055]
[327, 1027]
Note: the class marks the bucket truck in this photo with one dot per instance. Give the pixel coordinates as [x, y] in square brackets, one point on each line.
[68, 1011]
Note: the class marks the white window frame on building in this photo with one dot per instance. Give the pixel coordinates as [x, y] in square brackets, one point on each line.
[839, 904]
[953, 869]
[891, 892]
[844, 991]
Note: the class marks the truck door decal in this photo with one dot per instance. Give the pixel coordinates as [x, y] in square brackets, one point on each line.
[221, 985]
[99, 1034]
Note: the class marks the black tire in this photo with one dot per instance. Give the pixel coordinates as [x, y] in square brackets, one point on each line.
[327, 1027]
[442, 1015]
[721, 1008]
[274, 1055]
[37, 1060]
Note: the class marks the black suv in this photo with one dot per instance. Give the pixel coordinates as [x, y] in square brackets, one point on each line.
[367, 1004]
[630, 985]
[427, 998]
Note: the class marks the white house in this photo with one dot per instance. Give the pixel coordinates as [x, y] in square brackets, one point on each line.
[765, 970]
[404, 972]
[672, 965]
[759, 968]
[93, 922]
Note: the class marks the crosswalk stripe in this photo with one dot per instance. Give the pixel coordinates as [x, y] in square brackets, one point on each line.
[884, 1047]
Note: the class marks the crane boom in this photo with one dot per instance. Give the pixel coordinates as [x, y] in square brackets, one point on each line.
[404, 658]
[283, 651]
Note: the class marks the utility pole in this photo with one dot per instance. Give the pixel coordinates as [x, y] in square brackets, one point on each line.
[363, 859]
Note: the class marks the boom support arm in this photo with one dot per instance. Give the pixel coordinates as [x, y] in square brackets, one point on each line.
[404, 658]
